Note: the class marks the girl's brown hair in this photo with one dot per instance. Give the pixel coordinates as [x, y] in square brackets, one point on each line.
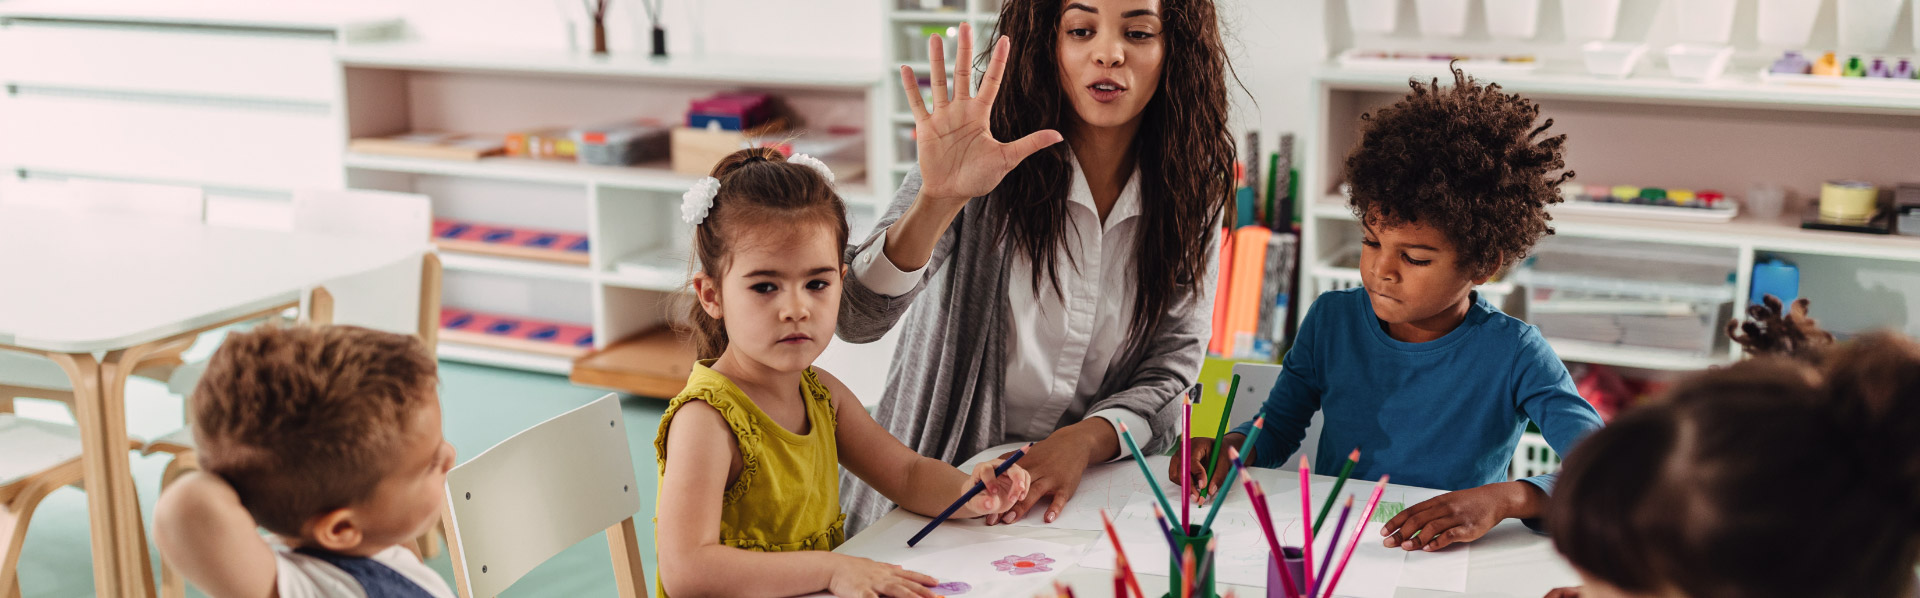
[1184, 151]
[1771, 477]
[758, 188]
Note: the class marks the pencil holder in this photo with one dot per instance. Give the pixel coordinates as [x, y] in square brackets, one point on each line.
[1196, 539]
[1294, 560]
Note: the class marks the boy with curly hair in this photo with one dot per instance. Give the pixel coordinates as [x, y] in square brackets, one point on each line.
[1432, 383]
[329, 438]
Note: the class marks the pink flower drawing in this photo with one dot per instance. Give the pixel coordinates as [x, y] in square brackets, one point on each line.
[1022, 565]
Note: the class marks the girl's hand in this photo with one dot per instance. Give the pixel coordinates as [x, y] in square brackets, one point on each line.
[1002, 491]
[1461, 515]
[959, 158]
[855, 577]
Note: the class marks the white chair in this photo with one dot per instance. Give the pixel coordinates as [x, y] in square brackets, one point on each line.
[1256, 382]
[40, 458]
[526, 499]
[403, 298]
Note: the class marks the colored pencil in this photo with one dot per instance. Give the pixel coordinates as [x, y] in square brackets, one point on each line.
[1359, 530]
[1186, 466]
[1246, 446]
[975, 491]
[1266, 525]
[1186, 574]
[1172, 546]
[1120, 562]
[1119, 578]
[1306, 511]
[1333, 544]
[1214, 511]
[1141, 460]
[1345, 472]
[1119, 552]
[1220, 437]
[1206, 560]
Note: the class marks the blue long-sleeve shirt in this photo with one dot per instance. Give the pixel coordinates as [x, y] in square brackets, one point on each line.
[1442, 414]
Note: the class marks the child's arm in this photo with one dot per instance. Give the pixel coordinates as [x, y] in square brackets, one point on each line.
[208, 537]
[918, 484]
[700, 450]
[1546, 394]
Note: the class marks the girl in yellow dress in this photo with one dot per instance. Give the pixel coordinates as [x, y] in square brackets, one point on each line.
[750, 452]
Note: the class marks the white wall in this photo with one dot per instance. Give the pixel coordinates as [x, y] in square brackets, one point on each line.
[847, 29]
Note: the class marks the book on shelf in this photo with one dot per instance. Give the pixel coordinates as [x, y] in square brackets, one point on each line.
[438, 146]
[514, 333]
[1253, 293]
[512, 242]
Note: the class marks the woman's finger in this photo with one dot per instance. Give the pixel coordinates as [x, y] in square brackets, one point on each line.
[937, 59]
[963, 63]
[990, 82]
[911, 85]
[1026, 146]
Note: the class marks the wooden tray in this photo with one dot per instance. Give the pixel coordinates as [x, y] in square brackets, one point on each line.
[654, 363]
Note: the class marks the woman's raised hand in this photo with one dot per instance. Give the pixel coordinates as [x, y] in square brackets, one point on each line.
[959, 158]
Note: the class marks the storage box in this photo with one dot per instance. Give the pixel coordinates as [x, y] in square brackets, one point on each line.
[1640, 295]
[551, 143]
[622, 144]
[695, 151]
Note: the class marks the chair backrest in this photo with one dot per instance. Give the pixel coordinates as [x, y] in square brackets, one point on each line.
[1256, 383]
[170, 203]
[402, 297]
[547, 488]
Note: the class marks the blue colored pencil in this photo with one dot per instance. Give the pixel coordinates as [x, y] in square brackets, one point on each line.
[975, 491]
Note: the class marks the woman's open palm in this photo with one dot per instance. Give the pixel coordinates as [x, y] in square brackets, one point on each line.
[959, 158]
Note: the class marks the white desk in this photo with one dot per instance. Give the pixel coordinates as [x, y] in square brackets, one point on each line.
[96, 294]
[1509, 562]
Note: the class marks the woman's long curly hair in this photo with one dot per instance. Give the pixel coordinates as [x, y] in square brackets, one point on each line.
[1184, 151]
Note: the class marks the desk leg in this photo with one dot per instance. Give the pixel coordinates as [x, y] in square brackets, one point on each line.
[130, 534]
[101, 464]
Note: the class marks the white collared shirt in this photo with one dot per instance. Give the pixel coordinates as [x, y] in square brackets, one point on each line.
[1061, 345]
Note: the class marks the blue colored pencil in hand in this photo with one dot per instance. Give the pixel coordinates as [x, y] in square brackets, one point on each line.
[975, 491]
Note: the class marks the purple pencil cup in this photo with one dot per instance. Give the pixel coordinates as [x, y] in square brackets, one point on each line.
[1296, 566]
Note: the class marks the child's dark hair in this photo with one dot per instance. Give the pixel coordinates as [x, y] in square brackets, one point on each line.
[1771, 477]
[758, 187]
[304, 420]
[1466, 160]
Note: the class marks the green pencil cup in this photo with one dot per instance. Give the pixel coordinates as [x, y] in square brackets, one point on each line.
[1197, 540]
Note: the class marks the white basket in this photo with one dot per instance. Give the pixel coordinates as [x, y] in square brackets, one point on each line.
[1341, 271]
[1533, 457]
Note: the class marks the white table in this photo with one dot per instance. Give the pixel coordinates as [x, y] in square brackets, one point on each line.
[1510, 561]
[96, 293]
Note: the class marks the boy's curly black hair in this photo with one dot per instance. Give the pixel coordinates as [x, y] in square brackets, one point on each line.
[1466, 160]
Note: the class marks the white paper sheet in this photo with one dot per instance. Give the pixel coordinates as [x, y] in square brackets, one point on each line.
[1444, 570]
[1006, 567]
[1108, 487]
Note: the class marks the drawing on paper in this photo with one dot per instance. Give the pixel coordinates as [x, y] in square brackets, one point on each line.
[1387, 510]
[1022, 565]
[952, 588]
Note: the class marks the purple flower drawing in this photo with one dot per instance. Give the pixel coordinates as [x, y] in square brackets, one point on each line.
[952, 588]
[1022, 565]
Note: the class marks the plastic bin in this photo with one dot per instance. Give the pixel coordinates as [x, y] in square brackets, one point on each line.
[1637, 295]
[623, 144]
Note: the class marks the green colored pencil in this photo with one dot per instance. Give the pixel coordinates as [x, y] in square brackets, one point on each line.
[1346, 471]
[1219, 434]
[1246, 446]
[1228, 483]
[1142, 460]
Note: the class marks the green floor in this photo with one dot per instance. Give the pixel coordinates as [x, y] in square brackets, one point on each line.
[482, 406]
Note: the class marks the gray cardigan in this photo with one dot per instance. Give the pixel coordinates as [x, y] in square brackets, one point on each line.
[944, 385]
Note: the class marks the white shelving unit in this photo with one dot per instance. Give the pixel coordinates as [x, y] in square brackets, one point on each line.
[624, 211]
[1654, 130]
[906, 25]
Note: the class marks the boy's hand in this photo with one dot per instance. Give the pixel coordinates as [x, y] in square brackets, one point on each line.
[1461, 516]
[855, 577]
[1201, 450]
[1002, 491]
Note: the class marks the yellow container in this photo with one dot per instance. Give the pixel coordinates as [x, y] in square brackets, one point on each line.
[1848, 201]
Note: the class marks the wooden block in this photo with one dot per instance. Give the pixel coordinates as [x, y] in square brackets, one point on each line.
[695, 151]
[654, 363]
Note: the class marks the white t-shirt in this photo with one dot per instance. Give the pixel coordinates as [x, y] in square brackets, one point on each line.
[303, 575]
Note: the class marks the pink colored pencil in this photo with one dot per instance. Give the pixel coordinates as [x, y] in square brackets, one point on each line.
[1359, 529]
[1266, 525]
[1306, 518]
[1186, 465]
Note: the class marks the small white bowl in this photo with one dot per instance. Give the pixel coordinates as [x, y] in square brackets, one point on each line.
[1700, 62]
[1612, 59]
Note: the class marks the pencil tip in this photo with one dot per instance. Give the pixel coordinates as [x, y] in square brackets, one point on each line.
[1258, 422]
[1354, 456]
[1349, 500]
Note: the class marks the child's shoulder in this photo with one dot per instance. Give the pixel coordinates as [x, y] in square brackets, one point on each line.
[1497, 329]
[395, 571]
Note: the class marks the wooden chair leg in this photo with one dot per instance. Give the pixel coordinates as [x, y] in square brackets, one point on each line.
[629, 575]
[15, 515]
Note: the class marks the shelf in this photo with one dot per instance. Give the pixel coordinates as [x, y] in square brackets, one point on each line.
[655, 364]
[1739, 87]
[762, 72]
[347, 22]
[929, 16]
[1744, 232]
[652, 176]
[1633, 357]
[520, 360]
[453, 260]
